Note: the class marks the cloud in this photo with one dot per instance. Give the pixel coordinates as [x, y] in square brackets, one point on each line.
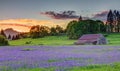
[62, 15]
[103, 13]
[101, 16]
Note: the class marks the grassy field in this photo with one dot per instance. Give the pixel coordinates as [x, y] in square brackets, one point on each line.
[113, 39]
[49, 40]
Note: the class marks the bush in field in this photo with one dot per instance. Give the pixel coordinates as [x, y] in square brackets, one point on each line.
[3, 41]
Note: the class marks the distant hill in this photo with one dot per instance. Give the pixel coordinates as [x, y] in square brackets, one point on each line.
[12, 33]
[17, 27]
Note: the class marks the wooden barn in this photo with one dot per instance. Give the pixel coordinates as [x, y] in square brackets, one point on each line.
[91, 39]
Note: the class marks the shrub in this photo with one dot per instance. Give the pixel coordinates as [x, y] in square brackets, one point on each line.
[3, 41]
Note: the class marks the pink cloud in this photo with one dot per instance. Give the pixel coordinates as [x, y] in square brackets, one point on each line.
[100, 16]
[63, 15]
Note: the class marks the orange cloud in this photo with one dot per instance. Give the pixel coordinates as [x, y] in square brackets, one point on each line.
[25, 24]
[17, 27]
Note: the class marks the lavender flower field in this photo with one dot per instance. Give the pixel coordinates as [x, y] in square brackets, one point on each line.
[15, 57]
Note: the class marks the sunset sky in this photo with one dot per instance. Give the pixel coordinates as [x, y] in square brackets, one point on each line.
[51, 12]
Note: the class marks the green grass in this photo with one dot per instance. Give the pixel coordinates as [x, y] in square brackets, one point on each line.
[113, 39]
[108, 67]
[49, 40]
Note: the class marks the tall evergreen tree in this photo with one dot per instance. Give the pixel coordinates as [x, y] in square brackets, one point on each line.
[110, 21]
[118, 21]
[80, 18]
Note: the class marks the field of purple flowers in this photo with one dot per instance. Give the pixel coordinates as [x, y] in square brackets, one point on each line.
[57, 56]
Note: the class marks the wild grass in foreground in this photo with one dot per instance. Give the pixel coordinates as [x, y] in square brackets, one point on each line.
[108, 67]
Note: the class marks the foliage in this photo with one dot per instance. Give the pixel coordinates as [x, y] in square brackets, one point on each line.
[34, 31]
[3, 41]
[42, 31]
[24, 35]
[71, 29]
[55, 31]
[101, 26]
[39, 31]
[75, 29]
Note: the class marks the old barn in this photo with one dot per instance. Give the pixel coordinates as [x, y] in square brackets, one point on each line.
[91, 39]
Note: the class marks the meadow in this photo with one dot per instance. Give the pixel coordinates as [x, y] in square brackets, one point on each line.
[48, 40]
[58, 53]
[113, 39]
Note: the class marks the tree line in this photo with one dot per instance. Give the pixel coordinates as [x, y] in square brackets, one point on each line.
[75, 29]
[113, 21]
[42, 31]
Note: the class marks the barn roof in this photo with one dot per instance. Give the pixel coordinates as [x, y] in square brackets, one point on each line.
[90, 36]
[91, 39]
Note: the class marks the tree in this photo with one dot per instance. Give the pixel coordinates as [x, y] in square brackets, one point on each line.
[110, 21]
[76, 29]
[39, 31]
[70, 29]
[53, 31]
[92, 25]
[118, 24]
[44, 31]
[80, 18]
[113, 21]
[34, 31]
[2, 33]
[101, 26]
[117, 20]
[59, 29]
